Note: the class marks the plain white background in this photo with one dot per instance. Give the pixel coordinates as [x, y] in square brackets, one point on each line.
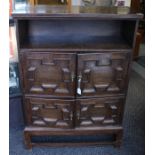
[150, 77]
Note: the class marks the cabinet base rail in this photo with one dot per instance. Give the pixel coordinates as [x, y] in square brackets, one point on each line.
[38, 131]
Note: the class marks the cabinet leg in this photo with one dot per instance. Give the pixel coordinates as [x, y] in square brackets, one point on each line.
[118, 140]
[27, 138]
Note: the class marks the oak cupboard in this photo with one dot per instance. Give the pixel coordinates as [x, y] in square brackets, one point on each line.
[74, 68]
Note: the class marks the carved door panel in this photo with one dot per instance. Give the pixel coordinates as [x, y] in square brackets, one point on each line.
[100, 74]
[99, 112]
[49, 112]
[49, 73]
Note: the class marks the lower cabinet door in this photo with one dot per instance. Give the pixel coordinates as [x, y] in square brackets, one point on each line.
[49, 112]
[99, 112]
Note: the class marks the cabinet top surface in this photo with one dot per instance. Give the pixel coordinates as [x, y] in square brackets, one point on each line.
[74, 11]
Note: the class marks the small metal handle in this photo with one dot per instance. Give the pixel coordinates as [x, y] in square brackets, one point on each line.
[79, 85]
[71, 116]
[72, 76]
[78, 115]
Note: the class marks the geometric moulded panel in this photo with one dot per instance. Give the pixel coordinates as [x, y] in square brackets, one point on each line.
[99, 112]
[49, 112]
[48, 73]
[104, 73]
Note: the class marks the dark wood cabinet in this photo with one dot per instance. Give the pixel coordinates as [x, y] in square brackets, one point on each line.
[74, 67]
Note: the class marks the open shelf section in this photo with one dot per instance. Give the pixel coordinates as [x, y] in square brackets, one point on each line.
[73, 43]
[76, 34]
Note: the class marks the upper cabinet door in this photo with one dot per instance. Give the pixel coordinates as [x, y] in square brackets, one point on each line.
[101, 74]
[48, 74]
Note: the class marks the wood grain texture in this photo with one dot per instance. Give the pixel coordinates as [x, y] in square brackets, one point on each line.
[103, 73]
[49, 73]
[99, 112]
[36, 131]
[71, 34]
[50, 112]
